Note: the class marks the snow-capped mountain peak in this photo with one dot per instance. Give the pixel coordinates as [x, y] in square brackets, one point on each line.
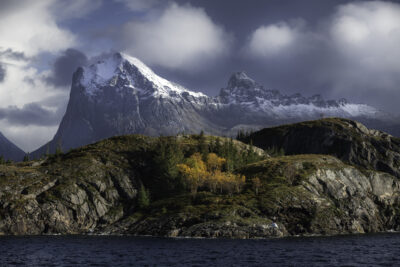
[120, 95]
[241, 80]
[123, 71]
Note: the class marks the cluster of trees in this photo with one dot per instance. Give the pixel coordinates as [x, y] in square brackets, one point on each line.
[3, 161]
[242, 134]
[235, 158]
[178, 164]
[210, 175]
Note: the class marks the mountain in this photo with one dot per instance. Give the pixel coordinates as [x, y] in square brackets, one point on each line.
[121, 95]
[348, 140]
[10, 151]
[257, 105]
[101, 188]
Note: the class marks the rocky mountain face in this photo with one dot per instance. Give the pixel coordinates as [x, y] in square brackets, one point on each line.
[9, 151]
[120, 95]
[347, 140]
[253, 104]
[94, 189]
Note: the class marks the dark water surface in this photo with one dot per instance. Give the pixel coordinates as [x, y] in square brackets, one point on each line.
[360, 250]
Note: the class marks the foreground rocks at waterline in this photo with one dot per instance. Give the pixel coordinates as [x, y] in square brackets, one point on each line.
[100, 189]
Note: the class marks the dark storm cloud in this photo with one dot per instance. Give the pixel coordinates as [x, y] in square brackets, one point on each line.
[65, 65]
[241, 18]
[30, 114]
[333, 48]
[2, 73]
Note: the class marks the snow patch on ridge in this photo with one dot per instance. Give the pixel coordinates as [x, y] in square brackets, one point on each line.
[104, 71]
[112, 71]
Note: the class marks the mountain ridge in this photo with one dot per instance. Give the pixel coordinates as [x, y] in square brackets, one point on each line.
[120, 95]
[9, 150]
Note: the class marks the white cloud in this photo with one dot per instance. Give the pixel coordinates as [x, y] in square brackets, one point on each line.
[272, 39]
[30, 137]
[182, 37]
[368, 34]
[32, 29]
[23, 85]
[353, 53]
[27, 30]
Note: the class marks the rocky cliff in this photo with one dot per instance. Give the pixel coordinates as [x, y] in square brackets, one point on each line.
[94, 189]
[345, 139]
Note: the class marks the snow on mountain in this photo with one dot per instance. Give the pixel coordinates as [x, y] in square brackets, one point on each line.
[246, 93]
[120, 95]
[110, 69]
[123, 71]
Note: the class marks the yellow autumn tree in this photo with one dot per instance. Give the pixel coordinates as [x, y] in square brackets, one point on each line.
[194, 171]
[209, 175]
[214, 162]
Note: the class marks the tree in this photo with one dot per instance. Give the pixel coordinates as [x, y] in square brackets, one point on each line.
[143, 197]
[203, 146]
[2, 160]
[218, 147]
[58, 151]
[26, 158]
[194, 171]
[47, 150]
[256, 183]
[214, 162]
[209, 175]
[164, 169]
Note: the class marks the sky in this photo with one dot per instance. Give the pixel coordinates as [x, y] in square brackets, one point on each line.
[338, 49]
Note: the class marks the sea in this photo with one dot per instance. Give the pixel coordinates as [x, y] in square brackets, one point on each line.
[349, 250]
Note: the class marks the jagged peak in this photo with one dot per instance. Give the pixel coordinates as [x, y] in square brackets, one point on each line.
[241, 80]
[110, 65]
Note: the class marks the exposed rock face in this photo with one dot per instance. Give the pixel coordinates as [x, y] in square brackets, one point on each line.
[83, 191]
[10, 151]
[94, 190]
[120, 95]
[326, 196]
[320, 196]
[348, 140]
[66, 201]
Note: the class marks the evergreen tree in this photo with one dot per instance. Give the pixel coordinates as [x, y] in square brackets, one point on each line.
[169, 154]
[202, 145]
[58, 150]
[218, 147]
[143, 197]
[47, 150]
[2, 161]
[26, 158]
